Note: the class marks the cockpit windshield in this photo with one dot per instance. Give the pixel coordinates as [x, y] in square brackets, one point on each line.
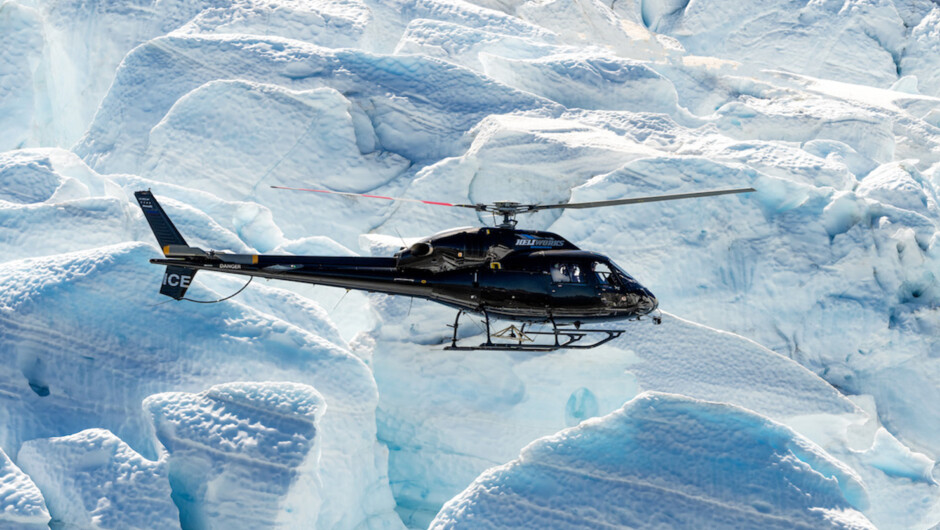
[625, 279]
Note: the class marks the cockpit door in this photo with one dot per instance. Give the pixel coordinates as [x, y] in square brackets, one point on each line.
[608, 284]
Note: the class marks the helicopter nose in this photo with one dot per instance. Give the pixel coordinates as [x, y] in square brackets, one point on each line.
[648, 302]
[641, 300]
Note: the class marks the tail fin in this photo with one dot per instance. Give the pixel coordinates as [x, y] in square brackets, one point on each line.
[160, 223]
[177, 278]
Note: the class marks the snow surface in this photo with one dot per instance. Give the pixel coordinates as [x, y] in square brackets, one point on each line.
[470, 412]
[825, 279]
[92, 479]
[64, 377]
[243, 454]
[22, 502]
[667, 461]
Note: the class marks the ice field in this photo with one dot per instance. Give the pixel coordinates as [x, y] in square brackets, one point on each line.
[793, 383]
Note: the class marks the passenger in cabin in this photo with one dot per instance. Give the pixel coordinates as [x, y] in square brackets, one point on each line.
[566, 273]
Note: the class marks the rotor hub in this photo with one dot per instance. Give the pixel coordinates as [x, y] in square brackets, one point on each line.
[508, 209]
[506, 205]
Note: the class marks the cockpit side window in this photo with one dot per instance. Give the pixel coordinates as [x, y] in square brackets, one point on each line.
[604, 275]
[560, 273]
[567, 273]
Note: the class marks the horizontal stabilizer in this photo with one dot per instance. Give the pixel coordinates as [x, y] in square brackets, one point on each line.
[183, 251]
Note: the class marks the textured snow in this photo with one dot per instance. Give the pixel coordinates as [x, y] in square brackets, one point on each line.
[396, 92]
[826, 278]
[590, 23]
[66, 54]
[470, 412]
[315, 128]
[65, 375]
[336, 24]
[92, 479]
[469, 46]
[243, 454]
[865, 258]
[22, 503]
[47, 195]
[922, 53]
[21, 41]
[582, 82]
[857, 41]
[670, 461]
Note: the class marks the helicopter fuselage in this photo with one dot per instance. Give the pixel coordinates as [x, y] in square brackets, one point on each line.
[528, 276]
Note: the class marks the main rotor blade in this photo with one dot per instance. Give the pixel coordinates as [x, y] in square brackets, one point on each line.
[637, 200]
[435, 203]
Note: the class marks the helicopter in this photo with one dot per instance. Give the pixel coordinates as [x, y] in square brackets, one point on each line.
[524, 276]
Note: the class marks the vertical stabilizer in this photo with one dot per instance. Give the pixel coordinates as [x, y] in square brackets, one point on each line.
[160, 223]
[176, 279]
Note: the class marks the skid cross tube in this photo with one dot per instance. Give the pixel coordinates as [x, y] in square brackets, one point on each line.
[570, 338]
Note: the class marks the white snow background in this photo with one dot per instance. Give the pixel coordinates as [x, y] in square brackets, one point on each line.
[794, 382]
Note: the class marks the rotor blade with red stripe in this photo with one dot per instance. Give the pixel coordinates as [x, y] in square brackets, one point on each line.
[348, 194]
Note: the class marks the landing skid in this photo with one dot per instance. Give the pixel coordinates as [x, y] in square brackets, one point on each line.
[564, 338]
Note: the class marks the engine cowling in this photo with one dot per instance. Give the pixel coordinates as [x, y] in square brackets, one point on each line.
[421, 249]
[471, 247]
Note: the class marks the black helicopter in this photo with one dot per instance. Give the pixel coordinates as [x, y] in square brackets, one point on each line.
[530, 277]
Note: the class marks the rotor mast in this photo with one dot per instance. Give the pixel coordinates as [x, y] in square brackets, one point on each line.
[508, 210]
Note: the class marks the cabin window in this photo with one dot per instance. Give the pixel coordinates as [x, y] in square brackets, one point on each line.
[603, 273]
[567, 273]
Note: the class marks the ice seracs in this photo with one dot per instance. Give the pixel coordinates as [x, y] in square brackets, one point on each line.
[828, 108]
[862, 39]
[396, 91]
[234, 120]
[576, 81]
[243, 454]
[665, 460]
[482, 411]
[92, 479]
[21, 502]
[920, 56]
[21, 39]
[64, 376]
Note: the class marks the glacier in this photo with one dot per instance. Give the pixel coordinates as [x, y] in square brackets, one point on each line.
[653, 462]
[22, 501]
[800, 337]
[238, 442]
[93, 479]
